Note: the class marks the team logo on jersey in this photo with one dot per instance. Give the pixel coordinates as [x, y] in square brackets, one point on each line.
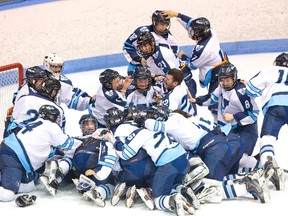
[199, 47]
[144, 29]
[109, 93]
[156, 54]
[242, 91]
[133, 37]
[63, 78]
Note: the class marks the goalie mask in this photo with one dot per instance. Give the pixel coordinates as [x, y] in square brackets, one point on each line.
[227, 70]
[159, 18]
[54, 64]
[49, 112]
[199, 29]
[88, 124]
[281, 60]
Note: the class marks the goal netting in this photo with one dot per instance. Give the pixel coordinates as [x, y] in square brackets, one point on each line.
[11, 77]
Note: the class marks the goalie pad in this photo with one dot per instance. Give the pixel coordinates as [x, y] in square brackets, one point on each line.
[25, 200]
[198, 170]
[54, 171]
[85, 184]
[51, 187]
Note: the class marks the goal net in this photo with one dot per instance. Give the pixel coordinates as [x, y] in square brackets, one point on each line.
[11, 77]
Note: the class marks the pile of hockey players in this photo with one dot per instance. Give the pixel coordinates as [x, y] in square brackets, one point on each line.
[142, 139]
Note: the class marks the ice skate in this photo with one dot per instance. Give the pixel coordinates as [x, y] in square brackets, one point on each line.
[278, 177]
[146, 197]
[118, 193]
[256, 184]
[131, 196]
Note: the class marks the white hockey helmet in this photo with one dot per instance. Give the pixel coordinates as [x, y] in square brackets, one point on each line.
[54, 64]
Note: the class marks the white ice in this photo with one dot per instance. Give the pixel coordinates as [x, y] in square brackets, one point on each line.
[69, 202]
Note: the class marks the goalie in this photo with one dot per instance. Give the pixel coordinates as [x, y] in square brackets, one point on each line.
[93, 163]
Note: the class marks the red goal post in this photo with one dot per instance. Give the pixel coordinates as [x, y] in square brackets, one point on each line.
[11, 77]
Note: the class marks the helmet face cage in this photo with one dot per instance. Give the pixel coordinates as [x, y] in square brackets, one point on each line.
[281, 60]
[159, 113]
[113, 117]
[199, 29]
[158, 17]
[49, 112]
[35, 73]
[142, 73]
[107, 76]
[146, 38]
[53, 59]
[228, 70]
[83, 120]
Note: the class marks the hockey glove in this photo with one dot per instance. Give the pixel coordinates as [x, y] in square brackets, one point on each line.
[25, 200]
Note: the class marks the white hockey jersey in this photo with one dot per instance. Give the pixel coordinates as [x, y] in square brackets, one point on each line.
[162, 60]
[206, 54]
[106, 99]
[34, 143]
[185, 132]
[158, 145]
[178, 99]
[272, 85]
[73, 98]
[244, 108]
[144, 101]
[130, 48]
[27, 107]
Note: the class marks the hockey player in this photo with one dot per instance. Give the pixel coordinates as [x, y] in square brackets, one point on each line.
[146, 93]
[213, 147]
[235, 107]
[169, 157]
[111, 93]
[163, 37]
[136, 175]
[207, 54]
[26, 108]
[93, 163]
[23, 156]
[176, 97]
[72, 97]
[35, 77]
[161, 59]
[271, 84]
